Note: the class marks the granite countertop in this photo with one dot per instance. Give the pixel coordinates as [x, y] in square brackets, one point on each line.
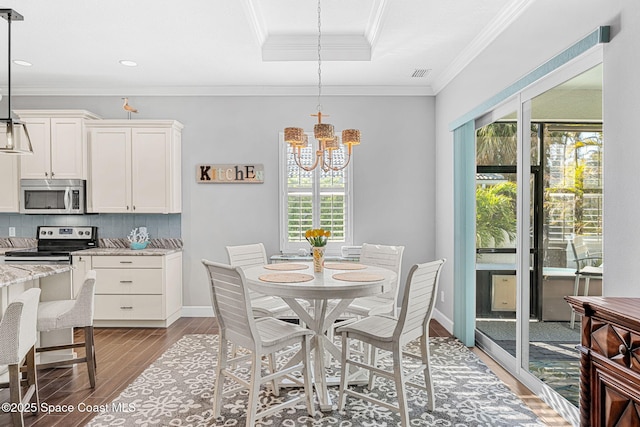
[113, 246]
[12, 243]
[126, 251]
[10, 274]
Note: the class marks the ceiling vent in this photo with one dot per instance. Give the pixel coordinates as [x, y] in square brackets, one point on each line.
[420, 72]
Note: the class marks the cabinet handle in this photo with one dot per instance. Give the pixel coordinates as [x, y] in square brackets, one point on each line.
[127, 207]
[622, 349]
[126, 307]
[134, 207]
[126, 281]
[126, 262]
[52, 174]
[46, 174]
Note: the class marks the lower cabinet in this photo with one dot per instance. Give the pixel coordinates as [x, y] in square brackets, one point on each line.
[136, 290]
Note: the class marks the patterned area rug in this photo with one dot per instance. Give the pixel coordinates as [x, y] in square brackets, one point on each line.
[176, 390]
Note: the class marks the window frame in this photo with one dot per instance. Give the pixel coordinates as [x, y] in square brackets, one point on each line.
[295, 248]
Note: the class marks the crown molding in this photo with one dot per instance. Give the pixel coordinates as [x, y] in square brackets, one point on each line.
[376, 21]
[505, 18]
[254, 14]
[303, 47]
[199, 91]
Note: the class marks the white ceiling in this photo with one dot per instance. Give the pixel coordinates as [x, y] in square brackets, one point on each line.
[240, 47]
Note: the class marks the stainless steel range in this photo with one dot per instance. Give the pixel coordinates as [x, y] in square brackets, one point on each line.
[55, 245]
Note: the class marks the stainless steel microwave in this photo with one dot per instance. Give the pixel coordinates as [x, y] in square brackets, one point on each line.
[52, 196]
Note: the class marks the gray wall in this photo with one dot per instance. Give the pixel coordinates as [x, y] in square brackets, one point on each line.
[394, 168]
[519, 50]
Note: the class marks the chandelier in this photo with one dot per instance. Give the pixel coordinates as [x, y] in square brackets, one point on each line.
[323, 132]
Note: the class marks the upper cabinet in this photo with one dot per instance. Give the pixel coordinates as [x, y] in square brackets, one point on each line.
[9, 191]
[59, 144]
[134, 166]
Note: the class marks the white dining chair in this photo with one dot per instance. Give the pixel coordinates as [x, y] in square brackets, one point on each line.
[69, 314]
[18, 336]
[248, 256]
[389, 257]
[392, 334]
[261, 336]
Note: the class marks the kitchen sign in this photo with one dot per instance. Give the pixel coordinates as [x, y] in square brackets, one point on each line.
[230, 174]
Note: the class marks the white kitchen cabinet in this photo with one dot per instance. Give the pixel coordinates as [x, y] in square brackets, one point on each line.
[59, 144]
[134, 166]
[137, 290]
[9, 185]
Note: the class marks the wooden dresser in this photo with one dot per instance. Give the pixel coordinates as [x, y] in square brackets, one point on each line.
[609, 360]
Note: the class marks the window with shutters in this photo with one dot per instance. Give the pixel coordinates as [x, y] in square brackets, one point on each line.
[313, 199]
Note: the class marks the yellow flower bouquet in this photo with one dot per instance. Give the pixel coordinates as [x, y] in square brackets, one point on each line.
[317, 237]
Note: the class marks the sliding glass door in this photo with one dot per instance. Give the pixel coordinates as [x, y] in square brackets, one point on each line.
[538, 193]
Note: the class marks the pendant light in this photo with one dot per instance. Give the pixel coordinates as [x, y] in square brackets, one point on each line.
[14, 131]
[323, 132]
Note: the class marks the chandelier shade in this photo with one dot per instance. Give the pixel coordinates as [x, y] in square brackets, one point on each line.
[351, 137]
[293, 136]
[324, 133]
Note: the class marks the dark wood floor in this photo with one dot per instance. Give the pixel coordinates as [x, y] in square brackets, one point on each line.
[122, 354]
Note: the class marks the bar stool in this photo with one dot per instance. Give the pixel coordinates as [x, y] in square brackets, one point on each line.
[66, 314]
[18, 336]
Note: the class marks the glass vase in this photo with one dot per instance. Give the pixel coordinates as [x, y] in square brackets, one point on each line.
[318, 258]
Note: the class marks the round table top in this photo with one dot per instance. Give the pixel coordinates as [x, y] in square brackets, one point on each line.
[323, 285]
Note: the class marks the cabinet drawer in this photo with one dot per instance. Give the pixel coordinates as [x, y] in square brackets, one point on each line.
[137, 261]
[128, 307]
[128, 281]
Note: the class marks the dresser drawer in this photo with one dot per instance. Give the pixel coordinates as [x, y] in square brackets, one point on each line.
[129, 281]
[128, 307]
[137, 261]
[617, 344]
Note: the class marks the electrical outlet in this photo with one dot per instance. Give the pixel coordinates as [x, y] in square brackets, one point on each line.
[12, 232]
[441, 296]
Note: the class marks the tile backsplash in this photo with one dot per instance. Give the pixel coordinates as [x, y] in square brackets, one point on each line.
[109, 225]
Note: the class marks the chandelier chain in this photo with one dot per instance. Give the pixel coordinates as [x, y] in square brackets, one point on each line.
[319, 106]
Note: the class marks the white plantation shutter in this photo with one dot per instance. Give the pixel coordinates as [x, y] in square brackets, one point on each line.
[313, 199]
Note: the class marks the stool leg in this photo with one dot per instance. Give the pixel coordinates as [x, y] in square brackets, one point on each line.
[90, 355]
[15, 393]
[32, 379]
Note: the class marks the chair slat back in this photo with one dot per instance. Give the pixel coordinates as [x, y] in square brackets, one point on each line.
[387, 257]
[419, 299]
[247, 255]
[231, 304]
[18, 332]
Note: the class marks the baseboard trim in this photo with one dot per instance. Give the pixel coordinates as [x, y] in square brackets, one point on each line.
[443, 320]
[197, 311]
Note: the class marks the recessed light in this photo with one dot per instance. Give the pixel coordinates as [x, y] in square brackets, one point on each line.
[128, 63]
[23, 63]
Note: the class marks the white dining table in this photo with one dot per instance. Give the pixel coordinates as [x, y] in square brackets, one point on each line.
[330, 297]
